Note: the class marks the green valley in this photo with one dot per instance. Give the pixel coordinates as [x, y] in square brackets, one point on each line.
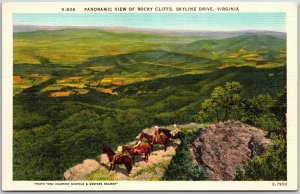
[77, 89]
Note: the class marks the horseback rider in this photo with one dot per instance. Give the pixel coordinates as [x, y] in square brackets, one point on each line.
[156, 135]
[120, 152]
[141, 141]
[174, 130]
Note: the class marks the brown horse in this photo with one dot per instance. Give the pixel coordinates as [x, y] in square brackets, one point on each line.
[161, 139]
[139, 150]
[123, 159]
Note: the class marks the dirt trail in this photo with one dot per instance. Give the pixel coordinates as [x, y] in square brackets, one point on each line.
[154, 169]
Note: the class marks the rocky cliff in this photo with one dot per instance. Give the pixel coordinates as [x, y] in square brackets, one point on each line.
[224, 146]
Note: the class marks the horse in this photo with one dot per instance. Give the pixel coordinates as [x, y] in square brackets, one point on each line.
[123, 159]
[167, 132]
[161, 139]
[139, 150]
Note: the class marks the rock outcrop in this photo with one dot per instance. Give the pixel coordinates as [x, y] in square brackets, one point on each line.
[80, 170]
[224, 146]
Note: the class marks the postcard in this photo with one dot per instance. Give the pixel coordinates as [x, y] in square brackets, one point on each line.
[156, 96]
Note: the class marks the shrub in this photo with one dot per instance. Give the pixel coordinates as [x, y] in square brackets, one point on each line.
[269, 166]
[181, 167]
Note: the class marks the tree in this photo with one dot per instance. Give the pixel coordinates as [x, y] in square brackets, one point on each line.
[44, 60]
[259, 112]
[224, 103]
[181, 167]
[280, 109]
[267, 112]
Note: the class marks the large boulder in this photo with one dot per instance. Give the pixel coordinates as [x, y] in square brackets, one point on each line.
[81, 170]
[224, 146]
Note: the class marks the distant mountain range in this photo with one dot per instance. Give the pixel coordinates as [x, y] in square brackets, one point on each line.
[203, 33]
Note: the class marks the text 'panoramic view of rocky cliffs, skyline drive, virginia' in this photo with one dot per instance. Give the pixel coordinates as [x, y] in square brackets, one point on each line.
[151, 97]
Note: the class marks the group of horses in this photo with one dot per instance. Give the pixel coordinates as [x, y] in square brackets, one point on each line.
[145, 148]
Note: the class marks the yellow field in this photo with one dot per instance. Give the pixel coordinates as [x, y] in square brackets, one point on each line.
[18, 78]
[254, 59]
[107, 91]
[23, 82]
[59, 94]
[75, 85]
[100, 68]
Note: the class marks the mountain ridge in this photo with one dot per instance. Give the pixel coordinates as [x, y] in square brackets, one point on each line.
[203, 33]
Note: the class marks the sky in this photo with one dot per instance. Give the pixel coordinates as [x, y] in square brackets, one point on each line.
[169, 21]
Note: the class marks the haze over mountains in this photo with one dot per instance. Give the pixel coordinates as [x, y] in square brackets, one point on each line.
[203, 33]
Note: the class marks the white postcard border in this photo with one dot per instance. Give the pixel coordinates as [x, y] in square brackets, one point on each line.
[54, 7]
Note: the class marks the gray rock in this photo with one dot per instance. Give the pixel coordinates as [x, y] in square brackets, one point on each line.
[80, 170]
[159, 170]
[226, 145]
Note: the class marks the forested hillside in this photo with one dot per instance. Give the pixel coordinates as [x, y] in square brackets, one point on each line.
[75, 90]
